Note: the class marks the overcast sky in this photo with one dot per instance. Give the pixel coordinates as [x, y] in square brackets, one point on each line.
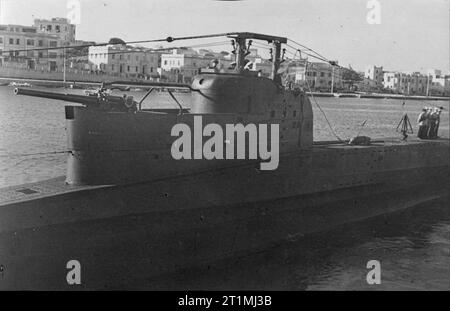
[413, 34]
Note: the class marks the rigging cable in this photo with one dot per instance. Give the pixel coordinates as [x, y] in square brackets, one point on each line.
[321, 110]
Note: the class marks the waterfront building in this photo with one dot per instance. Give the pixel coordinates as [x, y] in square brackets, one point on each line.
[320, 76]
[183, 64]
[417, 84]
[439, 84]
[18, 37]
[406, 83]
[375, 74]
[126, 61]
[60, 27]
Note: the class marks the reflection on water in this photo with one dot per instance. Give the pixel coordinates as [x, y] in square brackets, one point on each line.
[413, 247]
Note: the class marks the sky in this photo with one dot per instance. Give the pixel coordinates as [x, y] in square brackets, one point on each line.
[412, 35]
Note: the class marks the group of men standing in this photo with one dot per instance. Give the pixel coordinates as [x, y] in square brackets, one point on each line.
[429, 122]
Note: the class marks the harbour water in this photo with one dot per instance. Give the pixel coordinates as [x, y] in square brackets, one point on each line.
[413, 246]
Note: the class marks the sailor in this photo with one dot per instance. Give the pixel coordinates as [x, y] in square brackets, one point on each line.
[423, 129]
[438, 119]
[433, 119]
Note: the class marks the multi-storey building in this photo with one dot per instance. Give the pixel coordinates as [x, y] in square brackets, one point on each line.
[321, 76]
[57, 26]
[438, 83]
[183, 64]
[126, 61]
[375, 74]
[23, 38]
[317, 76]
[406, 83]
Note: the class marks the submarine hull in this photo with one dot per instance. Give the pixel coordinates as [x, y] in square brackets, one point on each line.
[125, 235]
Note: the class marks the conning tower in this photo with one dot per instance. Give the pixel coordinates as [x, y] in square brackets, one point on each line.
[114, 140]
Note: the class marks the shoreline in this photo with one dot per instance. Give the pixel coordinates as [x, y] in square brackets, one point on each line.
[378, 96]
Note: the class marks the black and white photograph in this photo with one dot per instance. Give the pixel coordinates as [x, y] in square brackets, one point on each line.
[214, 146]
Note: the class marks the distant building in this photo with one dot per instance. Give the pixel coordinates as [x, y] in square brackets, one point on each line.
[18, 37]
[406, 83]
[439, 84]
[127, 61]
[57, 26]
[434, 73]
[183, 64]
[319, 76]
[375, 74]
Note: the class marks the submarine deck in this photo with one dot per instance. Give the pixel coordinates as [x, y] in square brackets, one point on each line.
[55, 186]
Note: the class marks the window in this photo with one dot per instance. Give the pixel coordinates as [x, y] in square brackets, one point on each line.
[40, 54]
[128, 68]
[30, 54]
[53, 43]
[120, 57]
[112, 67]
[30, 42]
[165, 62]
[322, 74]
[137, 69]
[41, 43]
[1, 39]
[57, 28]
[1, 52]
[49, 27]
[113, 56]
[17, 41]
[151, 69]
[52, 55]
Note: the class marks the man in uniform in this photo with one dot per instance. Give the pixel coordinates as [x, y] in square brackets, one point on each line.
[423, 128]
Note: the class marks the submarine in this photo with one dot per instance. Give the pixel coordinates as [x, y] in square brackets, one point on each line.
[127, 210]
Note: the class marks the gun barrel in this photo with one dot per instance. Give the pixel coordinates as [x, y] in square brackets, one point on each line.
[82, 99]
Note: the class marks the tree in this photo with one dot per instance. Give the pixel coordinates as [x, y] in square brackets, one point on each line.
[350, 77]
[116, 41]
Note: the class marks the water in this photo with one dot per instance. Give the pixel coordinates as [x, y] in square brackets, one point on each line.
[413, 246]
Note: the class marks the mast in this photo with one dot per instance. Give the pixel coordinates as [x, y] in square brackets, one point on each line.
[276, 59]
[240, 53]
